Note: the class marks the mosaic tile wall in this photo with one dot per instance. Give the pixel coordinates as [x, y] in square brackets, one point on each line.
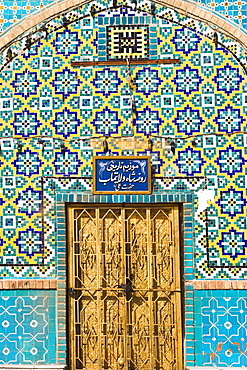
[11, 11]
[54, 118]
[27, 327]
[51, 121]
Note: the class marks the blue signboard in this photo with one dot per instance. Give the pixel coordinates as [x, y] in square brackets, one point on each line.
[119, 175]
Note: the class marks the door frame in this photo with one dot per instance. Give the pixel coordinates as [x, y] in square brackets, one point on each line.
[178, 225]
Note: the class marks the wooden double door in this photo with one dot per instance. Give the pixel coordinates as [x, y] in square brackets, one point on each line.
[124, 287]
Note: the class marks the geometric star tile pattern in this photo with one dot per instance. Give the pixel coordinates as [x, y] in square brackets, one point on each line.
[48, 107]
[27, 327]
[221, 322]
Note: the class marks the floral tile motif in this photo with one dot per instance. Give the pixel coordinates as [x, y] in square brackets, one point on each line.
[106, 82]
[26, 83]
[106, 122]
[231, 161]
[147, 81]
[232, 202]
[29, 201]
[233, 243]
[185, 40]
[67, 163]
[66, 83]
[26, 123]
[147, 121]
[228, 79]
[188, 120]
[67, 43]
[229, 119]
[27, 163]
[190, 162]
[30, 242]
[66, 123]
[187, 80]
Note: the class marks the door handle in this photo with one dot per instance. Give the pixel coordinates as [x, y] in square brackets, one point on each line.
[127, 288]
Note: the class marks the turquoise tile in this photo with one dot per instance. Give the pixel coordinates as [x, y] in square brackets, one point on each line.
[189, 308]
[189, 329]
[62, 341]
[61, 348]
[189, 287]
[65, 197]
[189, 357]
[188, 235]
[62, 356]
[189, 316]
[164, 198]
[33, 316]
[190, 337]
[190, 363]
[59, 197]
[189, 294]
[189, 322]
[189, 350]
[189, 273]
[188, 263]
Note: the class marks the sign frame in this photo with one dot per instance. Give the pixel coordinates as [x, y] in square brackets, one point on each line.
[116, 158]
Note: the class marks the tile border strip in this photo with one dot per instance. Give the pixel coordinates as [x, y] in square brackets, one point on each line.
[9, 284]
[219, 284]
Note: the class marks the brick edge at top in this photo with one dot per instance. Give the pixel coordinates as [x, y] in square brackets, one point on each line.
[9, 284]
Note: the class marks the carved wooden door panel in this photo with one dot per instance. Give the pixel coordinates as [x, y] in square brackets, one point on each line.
[124, 288]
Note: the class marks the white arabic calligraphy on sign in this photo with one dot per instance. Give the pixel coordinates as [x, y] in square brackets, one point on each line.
[116, 174]
[121, 174]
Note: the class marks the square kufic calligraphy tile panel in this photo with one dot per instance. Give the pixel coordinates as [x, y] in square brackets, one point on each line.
[124, 42]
